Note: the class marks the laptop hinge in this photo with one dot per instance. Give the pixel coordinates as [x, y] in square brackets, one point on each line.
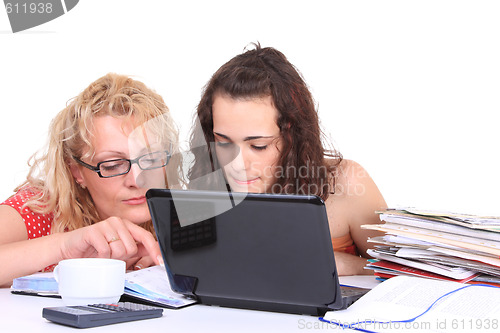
[185, 284]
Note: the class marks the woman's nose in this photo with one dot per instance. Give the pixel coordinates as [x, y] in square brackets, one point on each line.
[133, 177]
[241, 161]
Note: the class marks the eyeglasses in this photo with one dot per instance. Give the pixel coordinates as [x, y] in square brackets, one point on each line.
[118, 167]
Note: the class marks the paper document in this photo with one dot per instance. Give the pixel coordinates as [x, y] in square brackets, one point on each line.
[473, 309]
[152, 285]
[148, 285]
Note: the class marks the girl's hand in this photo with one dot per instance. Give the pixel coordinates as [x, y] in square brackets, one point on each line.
[348, 264]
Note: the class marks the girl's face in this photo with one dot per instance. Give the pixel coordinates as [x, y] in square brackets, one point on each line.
[122, 196]
[248, 143]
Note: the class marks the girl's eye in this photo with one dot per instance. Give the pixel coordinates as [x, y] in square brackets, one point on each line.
[259, 147]
[223, 144]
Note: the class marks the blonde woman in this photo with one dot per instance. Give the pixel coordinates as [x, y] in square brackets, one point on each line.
[85, 197]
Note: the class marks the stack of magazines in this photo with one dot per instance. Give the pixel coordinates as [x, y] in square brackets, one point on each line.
[438, 245]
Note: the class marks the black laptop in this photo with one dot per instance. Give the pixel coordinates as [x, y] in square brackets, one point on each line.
[255, 251]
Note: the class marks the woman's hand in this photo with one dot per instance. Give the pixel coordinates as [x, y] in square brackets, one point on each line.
[112, 238]
[137, 263]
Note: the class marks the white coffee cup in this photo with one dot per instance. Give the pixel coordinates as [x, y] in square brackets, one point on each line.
[90, 280]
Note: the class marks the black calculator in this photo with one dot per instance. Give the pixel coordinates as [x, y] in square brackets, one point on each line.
[100, 314]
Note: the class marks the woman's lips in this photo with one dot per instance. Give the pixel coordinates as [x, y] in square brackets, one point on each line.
[135, 201]
[245, 182]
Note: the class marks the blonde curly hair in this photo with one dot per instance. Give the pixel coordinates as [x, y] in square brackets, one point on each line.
[50, 176]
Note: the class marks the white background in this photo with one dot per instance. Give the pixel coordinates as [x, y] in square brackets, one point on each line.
[409, 89]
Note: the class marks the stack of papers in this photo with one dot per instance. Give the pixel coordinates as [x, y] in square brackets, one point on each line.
[149, 285]
[40, 284]
[446, 246]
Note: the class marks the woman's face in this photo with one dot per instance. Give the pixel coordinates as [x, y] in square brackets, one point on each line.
[122, 196]
[247, 140]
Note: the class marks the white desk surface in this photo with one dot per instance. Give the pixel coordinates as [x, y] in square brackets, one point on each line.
[23, 314]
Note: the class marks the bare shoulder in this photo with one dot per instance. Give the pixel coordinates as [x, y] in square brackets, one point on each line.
[351, 179]
[355, 185]
[12, 226]
[354, 202]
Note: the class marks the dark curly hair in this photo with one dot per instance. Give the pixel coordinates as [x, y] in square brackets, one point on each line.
[262, 72]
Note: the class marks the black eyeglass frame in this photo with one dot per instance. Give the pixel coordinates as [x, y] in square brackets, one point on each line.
[97, 168]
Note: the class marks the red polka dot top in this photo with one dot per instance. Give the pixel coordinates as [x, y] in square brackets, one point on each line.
[37, 225]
